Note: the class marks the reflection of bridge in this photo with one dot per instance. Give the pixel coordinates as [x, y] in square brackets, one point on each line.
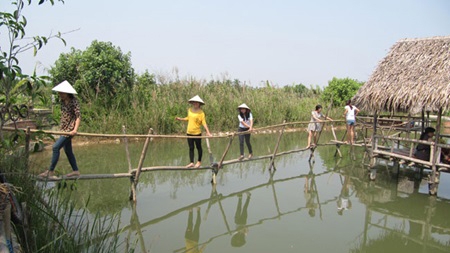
[423, 224]
[216, 198]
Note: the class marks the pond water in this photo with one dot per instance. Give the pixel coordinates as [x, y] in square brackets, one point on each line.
[326, 206]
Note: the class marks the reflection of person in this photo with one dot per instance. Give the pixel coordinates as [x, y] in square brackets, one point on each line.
[192, 234]
[195, 118]
[344, 202]
[423, 150]
[240, 219]
[310, 193]
[245, 124]
[315, 125]
[350, 116]
[70, 121]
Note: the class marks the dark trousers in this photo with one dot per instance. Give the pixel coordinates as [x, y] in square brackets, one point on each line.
[240, 217]
[193, 232]
[66, 143]
[198, 143]
[245, 137]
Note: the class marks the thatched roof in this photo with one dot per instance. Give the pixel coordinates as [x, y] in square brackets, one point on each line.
[415, 75]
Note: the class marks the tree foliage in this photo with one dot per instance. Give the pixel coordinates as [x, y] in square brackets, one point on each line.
[341, 90]
[15, 85]
[98, 73]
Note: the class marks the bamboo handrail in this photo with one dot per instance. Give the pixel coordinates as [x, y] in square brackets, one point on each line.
[154, 135]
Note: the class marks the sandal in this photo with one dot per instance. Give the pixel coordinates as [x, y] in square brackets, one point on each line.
[250, 156]
[191, 165]
[46, 174]
[241, 158]
[198, 164]
[73, 174]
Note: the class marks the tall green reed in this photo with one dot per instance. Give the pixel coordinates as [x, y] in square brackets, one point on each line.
[157, 106]
[56, 222]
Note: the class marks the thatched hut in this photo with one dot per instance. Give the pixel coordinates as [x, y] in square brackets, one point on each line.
[414, 78]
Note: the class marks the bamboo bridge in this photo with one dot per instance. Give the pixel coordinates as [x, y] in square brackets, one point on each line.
[388, 145]
[134, 173]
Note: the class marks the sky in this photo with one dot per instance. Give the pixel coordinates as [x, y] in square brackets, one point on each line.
[281, 41]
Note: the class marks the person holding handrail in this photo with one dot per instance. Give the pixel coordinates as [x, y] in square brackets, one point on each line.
[350, 117]
[195, 118]
[315, 125]
[245, 124]
[70, 121]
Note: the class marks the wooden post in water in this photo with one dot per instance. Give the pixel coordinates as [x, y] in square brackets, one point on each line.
[219, 165]
[272, 159]
[434, 156]
[130, 168]
[141, 162]
[338, 145]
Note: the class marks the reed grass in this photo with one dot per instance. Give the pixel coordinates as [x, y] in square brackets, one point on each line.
[55, 221]
[157, 106]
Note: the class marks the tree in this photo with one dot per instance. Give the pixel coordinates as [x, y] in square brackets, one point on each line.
[16, 86]
[98, 73]
[341, 90]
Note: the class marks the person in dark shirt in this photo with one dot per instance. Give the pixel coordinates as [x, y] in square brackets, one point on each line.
[423, 150]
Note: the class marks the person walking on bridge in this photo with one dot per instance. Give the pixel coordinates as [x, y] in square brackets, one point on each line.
[245, 124]
[195, 118]
[70, 121]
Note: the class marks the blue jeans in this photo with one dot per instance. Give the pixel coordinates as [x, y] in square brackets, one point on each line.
[66, 143]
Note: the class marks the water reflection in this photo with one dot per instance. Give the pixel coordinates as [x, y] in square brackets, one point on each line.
[344, 203]
[240, 219]
[282, 210]
[192, 234]
[310, 192]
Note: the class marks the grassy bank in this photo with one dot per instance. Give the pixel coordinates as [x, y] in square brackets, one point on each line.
[157, 106]
[53, 222]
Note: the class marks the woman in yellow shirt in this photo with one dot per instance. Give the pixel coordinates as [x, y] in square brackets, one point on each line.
[195, 118]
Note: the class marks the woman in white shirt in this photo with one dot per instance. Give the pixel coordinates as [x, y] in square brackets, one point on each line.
[245, 125]
[350, 116]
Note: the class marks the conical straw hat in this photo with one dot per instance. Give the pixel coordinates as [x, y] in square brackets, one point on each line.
[243, 106]
[197, 99]
[65, 87]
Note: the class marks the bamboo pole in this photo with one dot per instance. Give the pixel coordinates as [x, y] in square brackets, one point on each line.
[219, 165]
[434, 155]
[255, 130]
[141, 162]
[338, 146]
[272, 159]
[127, 153]
[225, 152]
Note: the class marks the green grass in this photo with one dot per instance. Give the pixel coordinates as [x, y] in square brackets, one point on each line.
[56, 222]
[157, 106]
